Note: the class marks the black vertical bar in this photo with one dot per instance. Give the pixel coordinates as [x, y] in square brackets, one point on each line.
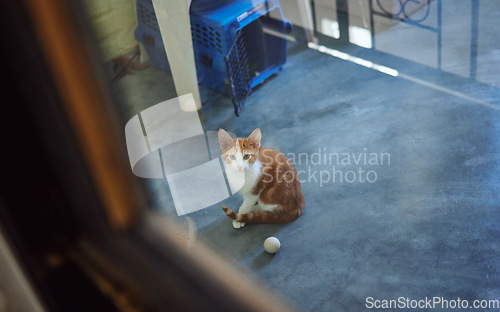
[473, 38]
[313, 13]
[343, 20]
[372, 24]
[207, 142]
[144, 133]
[161, 164]
[439, 30]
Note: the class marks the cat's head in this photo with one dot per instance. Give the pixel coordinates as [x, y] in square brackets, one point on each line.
[240, 154]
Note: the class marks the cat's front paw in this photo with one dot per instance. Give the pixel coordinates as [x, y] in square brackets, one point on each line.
[237, 224]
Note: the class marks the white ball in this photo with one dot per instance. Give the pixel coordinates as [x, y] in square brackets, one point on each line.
[272, 245]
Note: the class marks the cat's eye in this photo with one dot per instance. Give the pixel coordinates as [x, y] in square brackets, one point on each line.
[247, 156]
[232, 157]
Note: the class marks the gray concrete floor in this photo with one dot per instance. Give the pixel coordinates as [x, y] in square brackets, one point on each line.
[427, 226]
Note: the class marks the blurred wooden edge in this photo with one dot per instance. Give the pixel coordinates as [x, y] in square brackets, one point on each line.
[111, 282]
[86, 105]
[213, 271]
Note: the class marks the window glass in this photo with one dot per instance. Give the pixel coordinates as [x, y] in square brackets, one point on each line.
[388, 111]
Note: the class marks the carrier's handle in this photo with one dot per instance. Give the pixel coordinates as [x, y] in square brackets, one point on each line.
[288, 26]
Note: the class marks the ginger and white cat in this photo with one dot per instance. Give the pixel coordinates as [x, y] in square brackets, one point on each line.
[271, 189]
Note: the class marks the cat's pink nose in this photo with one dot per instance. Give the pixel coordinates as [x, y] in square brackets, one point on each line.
[240, 168]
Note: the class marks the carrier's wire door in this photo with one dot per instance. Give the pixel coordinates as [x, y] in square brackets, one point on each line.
[258, 51]
[238, 73]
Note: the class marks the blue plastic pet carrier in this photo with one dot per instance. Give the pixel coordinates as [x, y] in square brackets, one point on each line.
[237, 45]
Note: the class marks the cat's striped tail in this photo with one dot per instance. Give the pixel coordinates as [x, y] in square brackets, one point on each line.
[276, 216]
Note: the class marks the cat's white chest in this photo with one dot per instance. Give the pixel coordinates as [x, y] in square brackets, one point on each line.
[243, 182]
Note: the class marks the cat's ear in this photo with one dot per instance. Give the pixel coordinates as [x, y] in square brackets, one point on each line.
[225, 140]
[254, 138]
